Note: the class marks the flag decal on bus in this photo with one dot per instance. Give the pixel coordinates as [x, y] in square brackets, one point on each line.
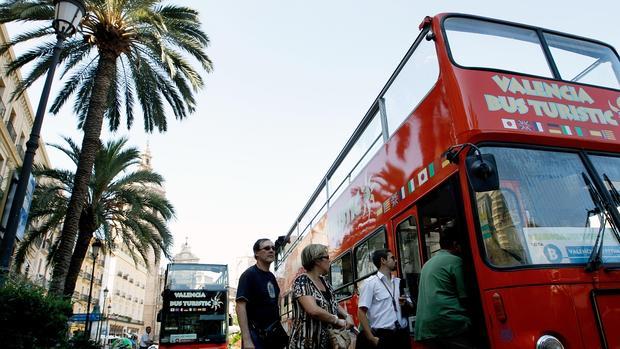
[608, 134]
[422, 177]
[509, 124]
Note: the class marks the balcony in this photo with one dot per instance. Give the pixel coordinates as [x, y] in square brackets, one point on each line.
[21, 151]
[11, 129]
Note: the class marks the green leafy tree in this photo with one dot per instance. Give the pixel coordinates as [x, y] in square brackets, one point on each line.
[131, 51]
[30, 318]
[125, 205]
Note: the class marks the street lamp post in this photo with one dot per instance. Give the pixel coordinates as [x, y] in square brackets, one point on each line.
[67, 17]
[107, 325]
[105, 296]
[96, 246]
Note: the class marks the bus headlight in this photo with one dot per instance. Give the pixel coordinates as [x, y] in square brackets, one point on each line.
[549, 342]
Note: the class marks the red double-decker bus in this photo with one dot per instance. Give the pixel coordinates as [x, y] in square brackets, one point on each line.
[509, 132]
[194, 313]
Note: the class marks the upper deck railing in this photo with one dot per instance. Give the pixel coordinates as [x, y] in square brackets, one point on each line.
[382, 119]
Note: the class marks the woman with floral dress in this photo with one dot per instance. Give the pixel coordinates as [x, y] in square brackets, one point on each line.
[315, 309]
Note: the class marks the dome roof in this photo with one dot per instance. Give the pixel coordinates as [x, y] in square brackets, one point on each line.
[186, 255]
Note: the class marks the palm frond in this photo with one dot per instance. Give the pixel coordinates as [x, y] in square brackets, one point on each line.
[73, 151]
[26, 10]
[26, 36]
[81, 75]
[128, 88]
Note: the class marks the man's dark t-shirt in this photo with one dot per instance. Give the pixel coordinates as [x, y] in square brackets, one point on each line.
[260, 290]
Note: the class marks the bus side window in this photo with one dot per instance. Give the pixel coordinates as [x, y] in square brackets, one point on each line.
[341, 276]
[500, 224]
[284, 306]
[363, 253]
[409, 256]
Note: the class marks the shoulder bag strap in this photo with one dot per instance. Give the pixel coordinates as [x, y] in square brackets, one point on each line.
[391, 294]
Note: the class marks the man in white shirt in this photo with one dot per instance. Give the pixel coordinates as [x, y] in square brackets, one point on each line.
[380, 302]
[146, 340]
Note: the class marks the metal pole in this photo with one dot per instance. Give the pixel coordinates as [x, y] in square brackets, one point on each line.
[8, 241]
[100, 325]
[97, 335]
[107, 326]
[90, 292]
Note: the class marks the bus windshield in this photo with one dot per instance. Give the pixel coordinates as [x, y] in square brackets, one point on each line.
[519, 49]
[196, 277]
[184, 327]
[544, 212]
[195, 304]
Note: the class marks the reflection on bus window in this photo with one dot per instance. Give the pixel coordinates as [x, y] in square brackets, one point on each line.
[501, 229]
[505, 47]
[194, 327]
[542, 214]
[432, 227]
[341, 276]
[363, 253]
[584, 61]
[285, 306]
[437, 210]
[409, 256]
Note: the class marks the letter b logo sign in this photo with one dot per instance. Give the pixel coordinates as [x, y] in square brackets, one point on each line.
[553, 253]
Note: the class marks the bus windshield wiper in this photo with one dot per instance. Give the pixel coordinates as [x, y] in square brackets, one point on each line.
[615, 197]
[595, 261]
[612, 190]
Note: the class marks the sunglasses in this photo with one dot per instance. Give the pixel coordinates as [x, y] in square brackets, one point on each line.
[323, 258]
[268, 248]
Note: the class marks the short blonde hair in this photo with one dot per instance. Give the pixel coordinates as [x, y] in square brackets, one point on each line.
[311, 253]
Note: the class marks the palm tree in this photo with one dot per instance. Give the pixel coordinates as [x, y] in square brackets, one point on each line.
[123, 206]
[132, 51]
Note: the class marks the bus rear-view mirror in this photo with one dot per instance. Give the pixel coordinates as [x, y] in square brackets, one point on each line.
[482, 172]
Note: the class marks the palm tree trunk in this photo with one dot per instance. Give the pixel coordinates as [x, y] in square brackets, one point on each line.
[81, 249]
[90, 145]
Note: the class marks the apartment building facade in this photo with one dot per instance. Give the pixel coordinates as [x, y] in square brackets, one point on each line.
[17, 117]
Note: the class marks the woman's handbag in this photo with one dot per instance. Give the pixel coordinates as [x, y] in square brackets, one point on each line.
[339, 338]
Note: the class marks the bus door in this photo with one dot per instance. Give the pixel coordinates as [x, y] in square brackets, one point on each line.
[441, 207]
[408, 254]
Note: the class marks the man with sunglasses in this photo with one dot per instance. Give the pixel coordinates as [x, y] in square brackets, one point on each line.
[257, 302]
[379, 307]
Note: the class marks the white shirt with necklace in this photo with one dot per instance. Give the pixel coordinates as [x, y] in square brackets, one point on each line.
[379, 296]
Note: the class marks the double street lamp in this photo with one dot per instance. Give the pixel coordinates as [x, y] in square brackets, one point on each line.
[67, 17]
[96, 247]
[105, 298]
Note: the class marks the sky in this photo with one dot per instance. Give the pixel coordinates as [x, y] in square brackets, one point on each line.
[291, 81]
